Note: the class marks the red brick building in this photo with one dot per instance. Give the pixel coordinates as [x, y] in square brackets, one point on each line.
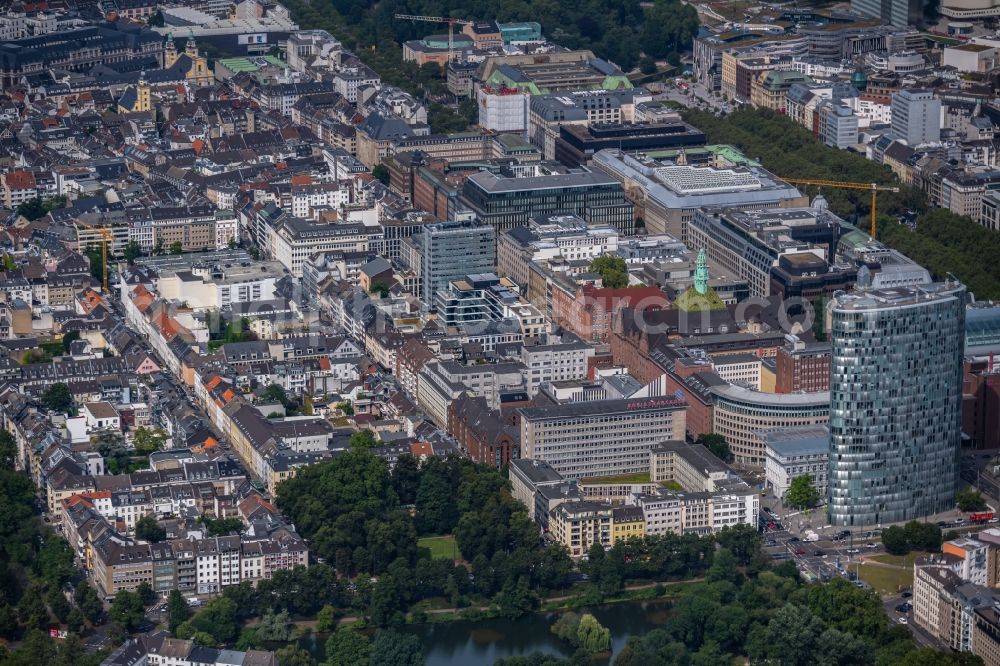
[802, 367]
[590, 311]
[433, 190]
[488, 436]
[981, 404]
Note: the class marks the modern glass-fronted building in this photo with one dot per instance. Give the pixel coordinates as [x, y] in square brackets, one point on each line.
[895, 402]
[452, 250]
[511, 199]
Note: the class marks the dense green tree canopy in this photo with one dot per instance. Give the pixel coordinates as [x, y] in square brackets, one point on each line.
[970, 499]
[57, 398]
[613, 271]
[717, 444]
[148, 529]
[802, 493]
[899, 540]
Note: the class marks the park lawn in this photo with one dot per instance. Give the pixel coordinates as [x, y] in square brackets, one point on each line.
[441, 547]
[884, 580]
[899, 560]
[639, 477]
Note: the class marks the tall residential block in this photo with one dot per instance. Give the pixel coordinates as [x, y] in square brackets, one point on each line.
[895, 402]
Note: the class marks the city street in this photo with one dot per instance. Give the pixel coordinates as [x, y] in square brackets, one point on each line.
[975, 472]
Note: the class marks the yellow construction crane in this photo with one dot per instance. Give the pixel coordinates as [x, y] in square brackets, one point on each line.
[874, 187]
[452, 22]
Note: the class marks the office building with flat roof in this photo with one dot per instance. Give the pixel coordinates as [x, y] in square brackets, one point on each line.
[739, 414]
[896, 394]
[802, 366]
[764, 247]
[602, 437]
[667, 193]
[540, 73]
[452, 250]
[577, 144]
[916, 117]
[563, 236]
[509, 199]
[793, 452]
[897, 13]
[548, 113]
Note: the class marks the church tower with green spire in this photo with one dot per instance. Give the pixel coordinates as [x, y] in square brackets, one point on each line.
[701, 273]
[700, 297]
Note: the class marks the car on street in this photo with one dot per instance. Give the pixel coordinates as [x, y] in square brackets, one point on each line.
[907, 594]
[903, 608]
[853, 551]
[793, 539]
[819, 553]
[903, 620]
[800, 551]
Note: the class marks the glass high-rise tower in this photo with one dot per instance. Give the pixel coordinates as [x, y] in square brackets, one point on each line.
[895, 402]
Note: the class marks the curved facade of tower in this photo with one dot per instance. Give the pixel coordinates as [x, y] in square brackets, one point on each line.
[895, 402]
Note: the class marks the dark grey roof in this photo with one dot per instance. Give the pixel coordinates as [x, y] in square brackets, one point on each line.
[537, 471]
[598, 407]
[380, 128]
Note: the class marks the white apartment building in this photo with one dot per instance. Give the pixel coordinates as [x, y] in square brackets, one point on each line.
[663, 513]
[743, 369]
[293, 240]
[207, 563]
[869, 111]
[141, 231]
[351, 79]
[227, 229]
[222, 285]
[969, 558]
[666, 511]
[322, 195]
[741, 507]
[561, 360]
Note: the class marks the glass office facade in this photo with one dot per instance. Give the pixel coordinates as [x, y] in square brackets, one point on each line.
[453, 250]
[895, 411]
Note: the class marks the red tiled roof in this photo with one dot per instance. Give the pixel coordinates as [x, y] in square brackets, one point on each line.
[91, 300]
[650, 296]
[420, 449]
[20, 180]
[142, 298]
